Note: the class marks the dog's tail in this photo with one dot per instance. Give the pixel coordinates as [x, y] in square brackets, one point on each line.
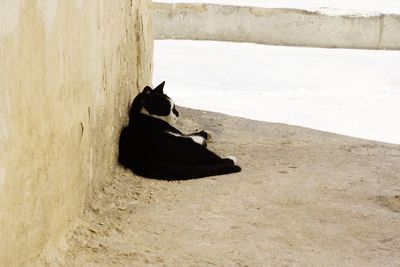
[172, 172]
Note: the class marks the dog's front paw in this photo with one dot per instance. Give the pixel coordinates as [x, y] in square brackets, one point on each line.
[205, 135]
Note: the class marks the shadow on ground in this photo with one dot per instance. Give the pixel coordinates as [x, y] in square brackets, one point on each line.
[304, 197]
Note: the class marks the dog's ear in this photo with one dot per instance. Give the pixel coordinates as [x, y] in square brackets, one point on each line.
[147, 90]
[160, 88]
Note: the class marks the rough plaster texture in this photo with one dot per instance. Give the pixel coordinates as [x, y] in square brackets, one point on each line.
[276, 26]
[68, 71]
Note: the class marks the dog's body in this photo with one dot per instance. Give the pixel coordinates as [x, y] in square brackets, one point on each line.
[151, 147]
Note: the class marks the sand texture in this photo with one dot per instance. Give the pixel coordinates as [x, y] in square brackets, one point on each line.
[303, 198]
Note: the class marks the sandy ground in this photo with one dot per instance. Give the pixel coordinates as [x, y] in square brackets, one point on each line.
[346, 91]
[304, 198]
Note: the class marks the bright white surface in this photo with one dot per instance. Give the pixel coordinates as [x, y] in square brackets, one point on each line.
[351, 92]
[383, 6]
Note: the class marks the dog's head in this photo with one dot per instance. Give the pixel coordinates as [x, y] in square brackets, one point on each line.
[153, 102]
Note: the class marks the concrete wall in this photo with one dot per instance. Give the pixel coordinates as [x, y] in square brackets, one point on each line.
[276, 26]
[68, 71]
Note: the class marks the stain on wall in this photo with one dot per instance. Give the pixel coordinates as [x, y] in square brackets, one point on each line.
[68, 72]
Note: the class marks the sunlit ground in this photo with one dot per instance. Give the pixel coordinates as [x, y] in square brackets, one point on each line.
[350, 92]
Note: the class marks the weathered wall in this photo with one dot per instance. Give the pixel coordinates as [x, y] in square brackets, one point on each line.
[276, 26]
[68, 71]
